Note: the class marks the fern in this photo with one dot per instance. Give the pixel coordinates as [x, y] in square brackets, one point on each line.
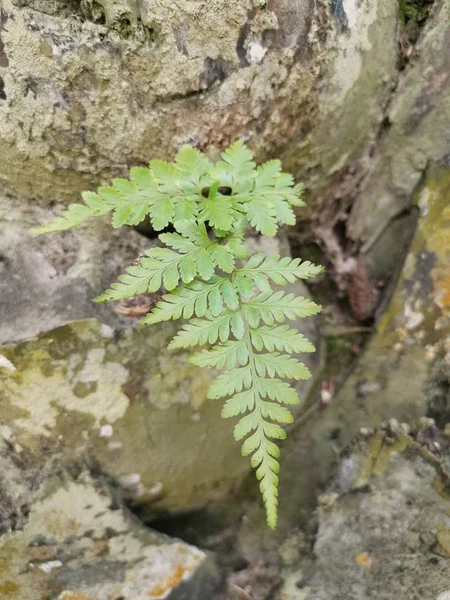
[227, 299]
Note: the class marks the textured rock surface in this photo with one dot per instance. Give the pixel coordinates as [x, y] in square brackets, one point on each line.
[48, 281]
[77, 544]
[88, 88]
[403, 371]
[415, 137]
[384, 523]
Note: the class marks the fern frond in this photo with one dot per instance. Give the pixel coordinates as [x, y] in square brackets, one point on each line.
[260, 268]
[236, 239]
[277, 390]
[192, 163]
[196, 299]
[236, 169]
[282, 365]
[262, 215]
[277, 307]
[230, 353]
[281, 337]
[253, 382]
[218, 209]
[126, 199]
[210, 207]
[162, 266]
[209, 330]
[227, 384]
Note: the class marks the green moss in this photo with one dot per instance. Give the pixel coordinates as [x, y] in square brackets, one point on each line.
[414, 12]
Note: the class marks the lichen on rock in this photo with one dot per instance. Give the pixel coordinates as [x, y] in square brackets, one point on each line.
[382, 526]
[75, 544]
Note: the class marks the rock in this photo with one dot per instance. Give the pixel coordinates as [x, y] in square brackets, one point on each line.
[88, 89]
[385, 535]
[382, 218]
[78, 544]
[407, 356]
[48, 281]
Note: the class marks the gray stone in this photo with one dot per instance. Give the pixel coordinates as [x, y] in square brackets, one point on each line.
[384, 524]
[88, 88]
[76, 544]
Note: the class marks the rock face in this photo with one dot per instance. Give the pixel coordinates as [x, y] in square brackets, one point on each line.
[384, 524]
[76, 544]
[89, 89]
[403, 372]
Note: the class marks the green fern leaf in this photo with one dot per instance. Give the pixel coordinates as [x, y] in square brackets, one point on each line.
[74, 216]
[277, 390]
[199, 332]
[236, 168]
[223, 257]
[236, 239]
[204, 264]
[239, 403]
[283, 211]
[192, 163]
[231, 353]
[161, 266]
[278, 413]
[277, 307]
[165, 175]
[186, 209]
[262, 216]
[193, 299]
[229, 294]
[290, 192]
[162, 213]
[282, 365]
[281, 271]
[184, 302]
[219, 212]
[227, 384]
[280, 337]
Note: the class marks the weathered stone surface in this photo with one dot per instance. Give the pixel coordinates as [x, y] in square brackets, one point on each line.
[402, 371]
[415, 137]
[383, 523]
[48, 281]
[76, 544]
[91, 88]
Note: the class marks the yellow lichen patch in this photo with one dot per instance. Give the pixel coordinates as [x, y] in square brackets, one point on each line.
[373, 450]
[8, 588]
[364, 560]
[443, 294]
[442, 546]
[388, 451]
[161, 589]
[436, 234]
[68, 595]
[442, 486]
[379, 454]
